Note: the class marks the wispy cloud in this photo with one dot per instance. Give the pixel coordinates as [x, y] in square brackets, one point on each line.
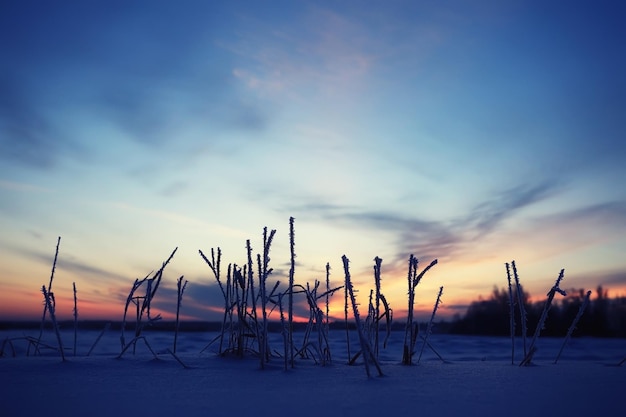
[610, 213]
[484, 218]
[73, 266]
[442, 238]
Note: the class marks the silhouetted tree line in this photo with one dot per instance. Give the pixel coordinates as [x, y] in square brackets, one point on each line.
[603, 317]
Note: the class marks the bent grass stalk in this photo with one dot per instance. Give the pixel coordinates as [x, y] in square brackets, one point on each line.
[104, 330]
[544, 315]
[411, 330]
[317, 321]
[143, 304]
[214, 265]
[572, 327]
[368, 356]
[49, 290]
[429, 329]
[50, 304]
[242, 300]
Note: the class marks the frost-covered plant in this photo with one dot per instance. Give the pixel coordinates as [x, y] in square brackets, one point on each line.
[345, 312]
[264, 272]
[411, 330]
[244, 301]
[511, 313]
[49, 290]
[317, 322]
[376, 310]
[572, 327]
[375, 315]
[180, 290]
[104, 330]
[429, 329]
[520, 305]
[327, 321]
[214, 264]
[50, 303]
[544, 315]
[284, 331]
[75, 311]
[7, 342]
[133, 343]
[366, 349]
[292, 270]
[143, 303]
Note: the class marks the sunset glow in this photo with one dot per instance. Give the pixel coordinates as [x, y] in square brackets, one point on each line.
[471, 134]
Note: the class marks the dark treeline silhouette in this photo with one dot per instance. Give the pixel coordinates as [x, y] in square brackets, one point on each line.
[603, 317]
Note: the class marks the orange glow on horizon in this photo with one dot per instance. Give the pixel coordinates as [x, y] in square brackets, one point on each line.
[28, 305]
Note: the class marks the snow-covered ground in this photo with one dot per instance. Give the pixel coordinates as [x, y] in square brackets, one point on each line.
[477, 378]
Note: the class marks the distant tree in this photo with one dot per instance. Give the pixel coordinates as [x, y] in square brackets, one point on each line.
[604, 317]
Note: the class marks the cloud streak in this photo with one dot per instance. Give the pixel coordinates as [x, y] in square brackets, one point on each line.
[445, 238]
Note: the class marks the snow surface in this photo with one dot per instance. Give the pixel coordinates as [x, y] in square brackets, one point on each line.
[476, 379]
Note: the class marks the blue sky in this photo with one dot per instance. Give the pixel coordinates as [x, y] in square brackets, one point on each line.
[471, 133]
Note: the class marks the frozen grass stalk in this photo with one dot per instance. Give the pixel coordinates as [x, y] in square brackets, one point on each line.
[544, 315]
[520, 305]
[572, 327]
[264, 272]
[104, 330]
[180, 290]
[316, 322]
[345, 311]
[409, 332]
[249, 269]
[214, 264]
[292, 269]
[50, 303]
[75, 317]
[143, 304]
[411, 329]
[365, 347]
[327, 323]
[49, 290]
[377, 264]
[429, 329]
[284, 332]
[511, 313]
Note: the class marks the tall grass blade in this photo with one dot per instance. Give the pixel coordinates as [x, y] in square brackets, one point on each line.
[50, 303]
[520, 305]
[572, 327]
[429, 329]
[75, 317]
[511, 313]
[544, 315]
[45, 306]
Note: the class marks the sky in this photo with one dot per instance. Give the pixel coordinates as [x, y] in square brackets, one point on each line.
[474, 133]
